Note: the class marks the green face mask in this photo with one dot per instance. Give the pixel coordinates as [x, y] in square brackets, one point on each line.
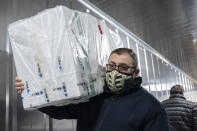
[115, 80]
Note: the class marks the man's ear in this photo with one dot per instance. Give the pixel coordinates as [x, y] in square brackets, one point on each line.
[136, 72]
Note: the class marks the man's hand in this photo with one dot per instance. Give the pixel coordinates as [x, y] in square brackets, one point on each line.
[19, 85]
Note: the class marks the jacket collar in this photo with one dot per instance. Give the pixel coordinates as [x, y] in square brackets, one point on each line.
[177, 96]
[131, 85]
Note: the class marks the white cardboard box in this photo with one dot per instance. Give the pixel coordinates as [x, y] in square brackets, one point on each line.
[60, 54]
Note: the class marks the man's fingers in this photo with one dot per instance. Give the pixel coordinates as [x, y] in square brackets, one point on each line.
[20, 88]
[19, 84]
[19, 92]
[18, 79]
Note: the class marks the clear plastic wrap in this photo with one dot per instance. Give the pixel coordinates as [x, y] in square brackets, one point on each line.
[61, 55]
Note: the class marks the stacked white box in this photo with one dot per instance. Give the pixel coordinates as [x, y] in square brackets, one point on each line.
[60, 54]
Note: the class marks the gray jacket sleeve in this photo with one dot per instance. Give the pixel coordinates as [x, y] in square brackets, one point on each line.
[194, 113]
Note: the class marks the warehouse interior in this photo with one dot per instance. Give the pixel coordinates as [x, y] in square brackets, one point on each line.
[162, 31]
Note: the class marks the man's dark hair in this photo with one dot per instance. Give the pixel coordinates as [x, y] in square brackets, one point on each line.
[177, 89]
[121, 51]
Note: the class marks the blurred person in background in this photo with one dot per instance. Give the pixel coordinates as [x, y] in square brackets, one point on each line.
[182, 113]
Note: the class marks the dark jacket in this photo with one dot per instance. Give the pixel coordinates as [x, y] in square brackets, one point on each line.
[181, 113]
[133, 110]
[194, 113]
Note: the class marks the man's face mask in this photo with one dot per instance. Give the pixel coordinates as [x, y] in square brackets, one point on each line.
[115, 80]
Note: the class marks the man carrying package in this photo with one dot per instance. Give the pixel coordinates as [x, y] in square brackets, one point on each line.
[123, 106]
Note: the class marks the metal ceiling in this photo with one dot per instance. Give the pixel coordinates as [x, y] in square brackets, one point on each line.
[168, 26]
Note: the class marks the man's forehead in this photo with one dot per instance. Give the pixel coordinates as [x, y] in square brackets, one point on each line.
[123, 59]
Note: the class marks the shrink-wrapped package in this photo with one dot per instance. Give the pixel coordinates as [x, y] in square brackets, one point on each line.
[61, 55]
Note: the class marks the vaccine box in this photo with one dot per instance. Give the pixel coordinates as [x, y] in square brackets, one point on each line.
[61, 54]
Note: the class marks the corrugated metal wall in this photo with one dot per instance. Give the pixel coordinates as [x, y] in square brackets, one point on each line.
[12, 115]
[169, 26]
